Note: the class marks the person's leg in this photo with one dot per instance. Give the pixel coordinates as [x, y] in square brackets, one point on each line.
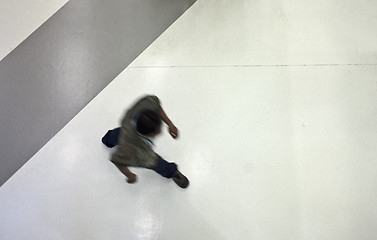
[165, 168]
[111, 138]
[170, 170]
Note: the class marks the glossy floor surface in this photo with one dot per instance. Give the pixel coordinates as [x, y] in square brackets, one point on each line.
[276, 103]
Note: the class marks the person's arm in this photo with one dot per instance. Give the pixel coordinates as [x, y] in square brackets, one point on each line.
[172, 128]
[131, 177]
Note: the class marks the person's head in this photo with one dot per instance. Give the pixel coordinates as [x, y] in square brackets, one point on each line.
[149, 123]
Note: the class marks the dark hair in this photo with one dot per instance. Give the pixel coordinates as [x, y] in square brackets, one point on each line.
[148, 122]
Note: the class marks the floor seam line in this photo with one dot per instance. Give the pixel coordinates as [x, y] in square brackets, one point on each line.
[257, 65]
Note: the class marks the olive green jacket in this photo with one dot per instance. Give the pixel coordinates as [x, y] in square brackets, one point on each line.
[132, 151]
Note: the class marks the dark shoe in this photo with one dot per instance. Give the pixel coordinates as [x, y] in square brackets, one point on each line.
[104, 141]
[180, 179]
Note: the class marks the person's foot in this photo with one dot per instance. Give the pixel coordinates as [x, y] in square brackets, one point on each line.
[180, 179]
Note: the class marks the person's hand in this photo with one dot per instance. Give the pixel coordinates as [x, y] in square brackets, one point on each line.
[131, 178]
[173, 131]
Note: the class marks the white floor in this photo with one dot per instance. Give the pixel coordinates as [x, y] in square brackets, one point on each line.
[276, 103]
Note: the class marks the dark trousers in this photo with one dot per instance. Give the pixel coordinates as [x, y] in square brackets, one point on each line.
[163, 167]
